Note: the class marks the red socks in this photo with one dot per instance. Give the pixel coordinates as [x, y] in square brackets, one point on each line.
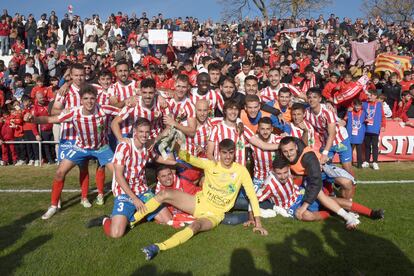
[107, 226]
[324, 214]
[100, 179]
[57, 188]
[361, 209]
[84, 182]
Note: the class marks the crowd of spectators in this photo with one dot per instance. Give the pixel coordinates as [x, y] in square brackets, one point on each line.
[318, 54]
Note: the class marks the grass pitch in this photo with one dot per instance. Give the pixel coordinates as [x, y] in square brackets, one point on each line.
[63, 246]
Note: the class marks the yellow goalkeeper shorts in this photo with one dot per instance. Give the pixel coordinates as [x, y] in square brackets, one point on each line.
[204, 210]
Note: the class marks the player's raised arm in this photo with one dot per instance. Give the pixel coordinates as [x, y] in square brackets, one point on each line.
[255, 141]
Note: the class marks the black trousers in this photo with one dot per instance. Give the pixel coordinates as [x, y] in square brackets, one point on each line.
[48, 149]
[20, 149]
[371, 147]
[31, 149]
[358, 148]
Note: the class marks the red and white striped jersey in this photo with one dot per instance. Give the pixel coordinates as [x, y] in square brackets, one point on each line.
[181, 110]
[263, 158]
[268, 94]
[320, 123]
[298, 132]
[223, 131]
[91, 130]
[198, 56]
[201, 136]
[123, 92]
[70, 100]
[134, 161]
[282, 195]
[154, 115]
[103, 95]
[212, 96]
[182, 185]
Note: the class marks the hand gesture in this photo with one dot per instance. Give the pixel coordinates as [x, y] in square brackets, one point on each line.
[131, 101]
[299, 212]
[261, 230]
[169, 120]
[249, 223]
[64, 89]
[139, 205]
[28, 117]
[38, 138]
[324, 159]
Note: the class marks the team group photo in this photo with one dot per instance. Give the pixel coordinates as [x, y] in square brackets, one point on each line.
[229, 137]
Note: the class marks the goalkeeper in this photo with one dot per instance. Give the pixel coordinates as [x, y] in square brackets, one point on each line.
[223, 180]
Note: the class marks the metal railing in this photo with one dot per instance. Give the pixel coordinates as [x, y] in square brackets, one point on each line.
[33, 142]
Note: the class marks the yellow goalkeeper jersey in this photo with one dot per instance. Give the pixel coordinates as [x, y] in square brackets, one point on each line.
[221, 186]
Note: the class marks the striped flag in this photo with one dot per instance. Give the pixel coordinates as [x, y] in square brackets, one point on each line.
[392, 63]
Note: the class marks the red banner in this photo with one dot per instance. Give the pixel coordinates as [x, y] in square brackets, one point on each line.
[397, 142]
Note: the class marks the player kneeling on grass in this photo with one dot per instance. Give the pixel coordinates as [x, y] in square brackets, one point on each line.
[280, 189]
[304, 162]
[129, 184]
[223, 180]
[91, 123]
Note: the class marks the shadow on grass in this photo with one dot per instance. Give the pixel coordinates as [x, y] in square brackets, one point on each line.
[354, 253]
[10, 234]
[149, 270]
[13, 260]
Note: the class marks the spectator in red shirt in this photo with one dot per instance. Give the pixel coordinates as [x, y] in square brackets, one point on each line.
[331, 87]
[4, 37]
[46, 130]
[6, 134]
[30, 133]
[16, 124]
[40, 88]
[407, 81]
[18, 47]
[190, 72]
[399, 111]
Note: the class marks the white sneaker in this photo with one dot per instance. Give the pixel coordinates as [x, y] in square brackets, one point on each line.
[50, 212]
[2, 163]
[267, 213]
[85, 203]
[100, 200]
[19, 163]
[375, 166]
[36, 163]
[31, 163]
[365, 164]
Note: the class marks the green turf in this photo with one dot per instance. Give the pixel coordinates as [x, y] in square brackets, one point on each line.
[63, 246]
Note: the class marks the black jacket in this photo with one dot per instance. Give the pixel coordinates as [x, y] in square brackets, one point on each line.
[313, 172]
[393, 93]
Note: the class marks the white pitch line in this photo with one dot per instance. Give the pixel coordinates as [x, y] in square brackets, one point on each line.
[364, 182]
[40, 190]
[385, 181]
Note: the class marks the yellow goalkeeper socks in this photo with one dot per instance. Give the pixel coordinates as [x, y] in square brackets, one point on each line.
[176, 239]
[151, 205]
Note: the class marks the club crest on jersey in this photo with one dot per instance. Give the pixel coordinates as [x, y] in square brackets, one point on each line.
[240, 145]
[231, 188]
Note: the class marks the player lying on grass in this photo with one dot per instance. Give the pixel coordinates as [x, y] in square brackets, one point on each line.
[304, 162]
[223, 180]
[91, 123]
[129, 184]
[280, 190]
